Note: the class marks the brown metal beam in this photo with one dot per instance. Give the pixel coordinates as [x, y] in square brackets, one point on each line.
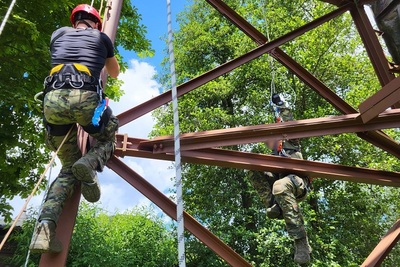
[239, 21]
[184, 88]
[275, 131]
[65, 227]
[169, 207]
[386, 244]
[252, 161]
[372, 45]
[383, 99]
[313, 82]
[235, 159]
[377, 138]
[283, 58]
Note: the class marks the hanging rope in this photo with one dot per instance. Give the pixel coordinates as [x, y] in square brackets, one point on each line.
[33, 191]
[40, 210]
[290, 97]
[7, 15]
[101, 9]
[179, 215]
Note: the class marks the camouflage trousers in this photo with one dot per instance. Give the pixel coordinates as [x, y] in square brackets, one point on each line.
[288, 192]
[73, 106]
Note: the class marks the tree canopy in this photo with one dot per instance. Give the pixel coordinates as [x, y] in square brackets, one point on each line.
[136, 237]
[25, 62]
[344, 220]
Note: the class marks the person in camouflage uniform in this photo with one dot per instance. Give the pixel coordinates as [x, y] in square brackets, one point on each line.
[72, 93]
[282, 192]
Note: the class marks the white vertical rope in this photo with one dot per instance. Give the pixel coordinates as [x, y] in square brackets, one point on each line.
[7, 15]
[178, 170]
[38, 215]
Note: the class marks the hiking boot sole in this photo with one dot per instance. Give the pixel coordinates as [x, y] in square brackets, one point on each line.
[90, 185]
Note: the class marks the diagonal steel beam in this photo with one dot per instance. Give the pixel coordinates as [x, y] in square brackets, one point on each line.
[184, 88]
[309, 79]
[372, 45]
[383, 99]
[252, 161]
[239, 21]
[386, 244]
[285, 59]
[275, 131]
[169, 207]
[377, 138]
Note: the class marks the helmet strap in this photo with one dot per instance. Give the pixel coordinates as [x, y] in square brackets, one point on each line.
[84, 22]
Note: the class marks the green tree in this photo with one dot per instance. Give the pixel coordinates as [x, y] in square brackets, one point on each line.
[25, 62]
[134, 238]
[344, 220]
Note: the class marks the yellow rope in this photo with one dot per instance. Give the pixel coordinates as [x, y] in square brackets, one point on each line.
[34, 190]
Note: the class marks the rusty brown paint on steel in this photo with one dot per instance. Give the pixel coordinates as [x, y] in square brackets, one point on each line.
[381, 140]
[260, 162]
[239, 21]
[245, 160]
[285, 59]
[169, 207]
[383, 248]
[274, 131]
[184, 88]
[66, 222]
[318, 86]
[380, 101]
[372, 45]
[377, 138]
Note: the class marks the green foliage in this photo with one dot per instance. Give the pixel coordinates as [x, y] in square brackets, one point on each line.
[25, 62]
[133, 238]
[344, 220]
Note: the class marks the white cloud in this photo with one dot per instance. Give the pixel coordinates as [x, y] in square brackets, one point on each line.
[117, 195]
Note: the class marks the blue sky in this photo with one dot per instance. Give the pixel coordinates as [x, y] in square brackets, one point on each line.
[154, 17]
[139, 86]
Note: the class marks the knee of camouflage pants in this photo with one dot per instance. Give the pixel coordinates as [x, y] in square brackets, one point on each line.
[60, 190]
[262, 186]
[104, 145]
[291, 184]
[285, 193]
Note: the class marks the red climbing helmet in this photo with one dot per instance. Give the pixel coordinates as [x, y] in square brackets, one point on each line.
[85, 11]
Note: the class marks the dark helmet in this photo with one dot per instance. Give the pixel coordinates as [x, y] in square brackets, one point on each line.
[84, 11]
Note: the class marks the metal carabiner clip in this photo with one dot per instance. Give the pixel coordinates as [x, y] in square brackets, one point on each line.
[57, 87]
[77, 87]
[36, 97]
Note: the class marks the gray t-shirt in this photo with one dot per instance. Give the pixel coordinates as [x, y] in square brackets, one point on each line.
[88, 47]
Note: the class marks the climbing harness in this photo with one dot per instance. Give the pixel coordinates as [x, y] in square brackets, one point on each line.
[76, 76]
[178, 169]
[33, 191]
